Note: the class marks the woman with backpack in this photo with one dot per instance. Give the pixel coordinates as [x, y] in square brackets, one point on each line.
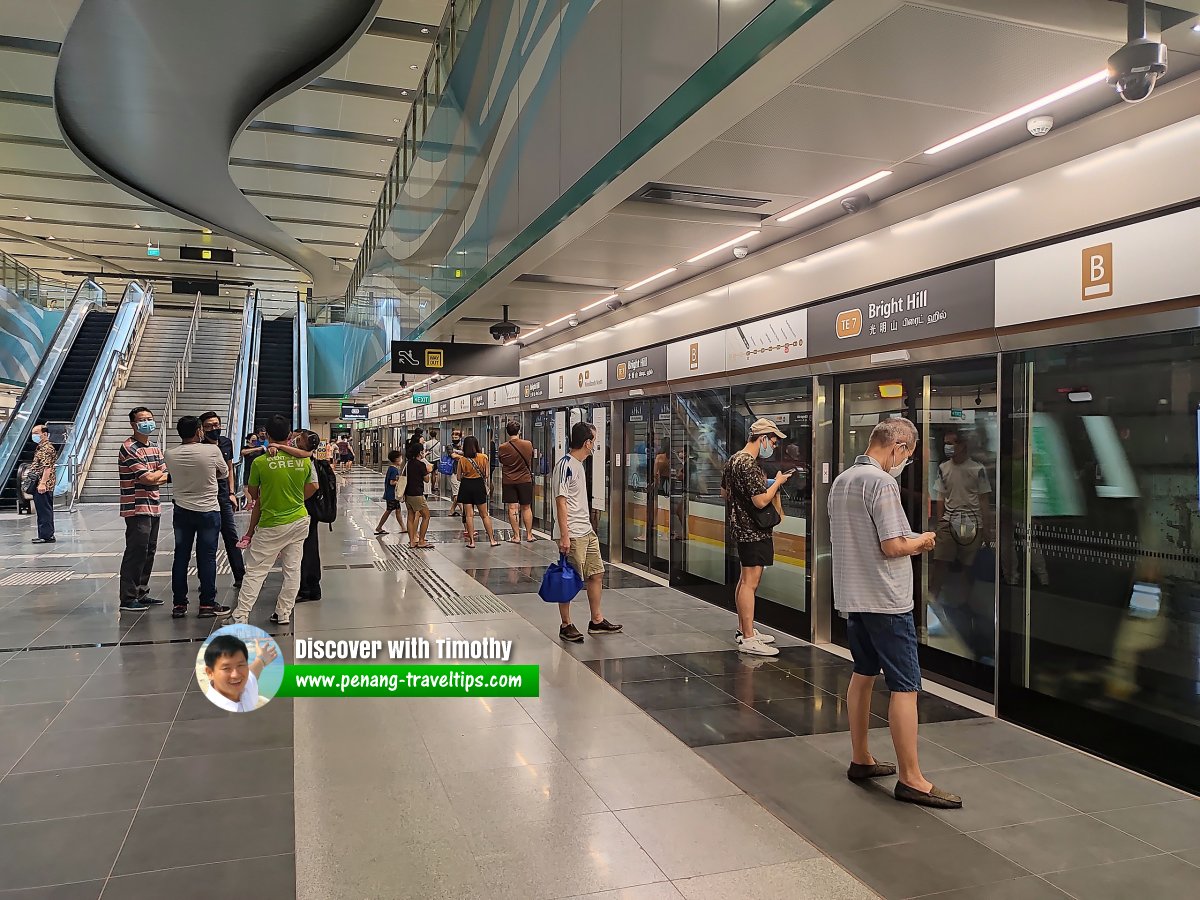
[473, 468]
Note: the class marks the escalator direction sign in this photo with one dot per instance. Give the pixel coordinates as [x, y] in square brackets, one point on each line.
[430, 358]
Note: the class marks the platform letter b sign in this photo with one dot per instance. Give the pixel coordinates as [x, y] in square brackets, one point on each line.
[1097, 272]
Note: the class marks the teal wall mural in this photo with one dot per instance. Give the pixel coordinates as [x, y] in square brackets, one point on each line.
[25, 332]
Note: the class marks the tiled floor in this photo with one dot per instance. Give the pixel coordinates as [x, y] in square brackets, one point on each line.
[658, 763]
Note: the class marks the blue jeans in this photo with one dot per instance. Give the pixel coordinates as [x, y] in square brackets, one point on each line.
[203, 529]
[886, 641]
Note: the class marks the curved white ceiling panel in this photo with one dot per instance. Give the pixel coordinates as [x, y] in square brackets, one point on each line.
[153, 95]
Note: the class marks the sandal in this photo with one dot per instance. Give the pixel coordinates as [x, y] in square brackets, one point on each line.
[495, 543]
[471, 546]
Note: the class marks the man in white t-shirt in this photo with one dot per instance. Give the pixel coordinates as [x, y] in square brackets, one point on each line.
[576, 537]
[232, 678]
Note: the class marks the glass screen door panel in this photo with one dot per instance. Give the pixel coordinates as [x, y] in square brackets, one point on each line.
[541, 434]
[699, 439]
[666, 467]
[636, 450]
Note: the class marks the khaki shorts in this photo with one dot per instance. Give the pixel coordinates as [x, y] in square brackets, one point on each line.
[585, 555]
[948, 549]
[416, 504]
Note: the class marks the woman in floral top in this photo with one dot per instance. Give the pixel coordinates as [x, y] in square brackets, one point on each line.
[43, 468]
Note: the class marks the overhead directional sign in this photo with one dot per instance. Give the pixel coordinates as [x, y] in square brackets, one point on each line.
[354, 412]
[421, 399]
[152, 249]
[427, 358]
[206, 254]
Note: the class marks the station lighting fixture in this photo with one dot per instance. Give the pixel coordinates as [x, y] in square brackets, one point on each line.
[724, 246]
[645, 281]
[1196, 27]
[558, 321]
[836, 195]
[530, 334]
[136, 225]
[598, 302]
[1021, 112]
[29, 218]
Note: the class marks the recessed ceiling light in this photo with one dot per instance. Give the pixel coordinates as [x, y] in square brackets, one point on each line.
[206, 230]
[1196, 27]
[29, 218]
[414, 66]
[391, 140]
[598, 302]
[654, 277]
[49, 237]
[136, 225]
[858, 185]
[70, 257]
[724, 246]
[1020, 112]
[395, 120]
[426, 30]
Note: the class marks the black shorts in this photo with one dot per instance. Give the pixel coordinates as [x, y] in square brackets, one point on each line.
[392, 505]
[472, 492]
[519, 493]
[756, 553]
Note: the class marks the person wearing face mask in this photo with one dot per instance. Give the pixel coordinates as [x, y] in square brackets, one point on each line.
[745, 490]
[142, 471]
[873, 588]
[226, 495]
[40, 475]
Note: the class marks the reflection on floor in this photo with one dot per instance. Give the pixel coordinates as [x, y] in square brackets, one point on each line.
[118, 777]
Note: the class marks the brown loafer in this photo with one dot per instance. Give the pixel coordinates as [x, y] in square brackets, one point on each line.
[935, 798]
[863, 771]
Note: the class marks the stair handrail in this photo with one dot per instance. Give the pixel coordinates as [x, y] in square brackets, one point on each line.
[17, 428]
[241, 402]
[110, 373]
[180, 376]
[300, 368]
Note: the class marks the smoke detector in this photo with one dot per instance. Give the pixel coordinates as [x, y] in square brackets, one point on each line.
[1040, 125]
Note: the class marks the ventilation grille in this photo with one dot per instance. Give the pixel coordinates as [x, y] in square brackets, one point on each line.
[694, 197]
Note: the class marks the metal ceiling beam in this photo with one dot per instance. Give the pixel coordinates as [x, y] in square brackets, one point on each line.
[63, 248]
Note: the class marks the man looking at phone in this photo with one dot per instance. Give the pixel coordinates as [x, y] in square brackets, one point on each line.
[873, 587]
[745, 490]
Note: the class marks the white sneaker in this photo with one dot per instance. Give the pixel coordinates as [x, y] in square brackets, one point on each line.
[765, 638]
[756, 646]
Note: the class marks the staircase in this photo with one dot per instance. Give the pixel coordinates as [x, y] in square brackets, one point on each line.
[209, 385]
[276, 357]
[149, 382]
[62, 403]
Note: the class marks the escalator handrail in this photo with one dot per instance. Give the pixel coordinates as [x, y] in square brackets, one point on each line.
[107, 377]
[18, 427]
[237, 399]
[300, 370]
[181, 373]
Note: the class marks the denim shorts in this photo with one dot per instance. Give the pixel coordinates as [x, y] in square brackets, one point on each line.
[887, 642]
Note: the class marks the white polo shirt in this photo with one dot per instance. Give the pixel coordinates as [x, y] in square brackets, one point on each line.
[248, 703]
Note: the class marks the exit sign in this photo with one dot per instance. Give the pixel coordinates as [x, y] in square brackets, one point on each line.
[420, 399]
[152, 249]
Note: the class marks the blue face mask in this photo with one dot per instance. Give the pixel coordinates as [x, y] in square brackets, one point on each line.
[147, 427]
[766, 449]
[37, 438]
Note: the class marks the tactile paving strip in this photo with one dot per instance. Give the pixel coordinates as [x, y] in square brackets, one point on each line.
[35, 577]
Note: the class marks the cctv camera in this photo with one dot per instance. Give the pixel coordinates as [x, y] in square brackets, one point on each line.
[741, 252]
[1039, 126]
[503, 331]
[856, 203]
[1135, 68]
[573, 322]
[612, 304]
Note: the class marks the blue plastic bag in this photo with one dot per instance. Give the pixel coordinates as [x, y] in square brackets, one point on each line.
[561, 582]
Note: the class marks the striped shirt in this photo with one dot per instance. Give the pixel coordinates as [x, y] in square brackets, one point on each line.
[135, 459]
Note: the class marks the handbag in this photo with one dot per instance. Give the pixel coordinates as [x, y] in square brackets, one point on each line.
[766, 518]
[561, 582]
[30, 481]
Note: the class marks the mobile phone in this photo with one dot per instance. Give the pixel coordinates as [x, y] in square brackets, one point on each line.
[790, 471]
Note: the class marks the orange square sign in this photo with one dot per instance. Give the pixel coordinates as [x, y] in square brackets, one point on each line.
[1097, 272]
[849, 324]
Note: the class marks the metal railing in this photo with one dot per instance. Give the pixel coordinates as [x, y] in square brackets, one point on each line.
[17, 428]
[26, 283]
[443, 54]
[109, 376]
[300, 369]
[181, 374]
[241, 402]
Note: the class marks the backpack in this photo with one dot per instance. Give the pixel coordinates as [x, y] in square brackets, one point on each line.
[322, 506]
[446, 464]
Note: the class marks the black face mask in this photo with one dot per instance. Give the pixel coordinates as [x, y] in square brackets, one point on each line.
[212, 435]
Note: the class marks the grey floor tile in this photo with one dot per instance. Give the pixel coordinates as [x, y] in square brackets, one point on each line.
[990, 740]
[588, 854]
[440, 713]
[1059, 844]
[1031, 887]
[612, 646]
[93, 747]
[33, 852]
[705, 725]
[691, 642]
[510, 798]
[589, 698]
[810, 879]
[223, 776]
[754, 685]
[151, 657]
[145, 709]
[725, 661]
[456, 751]
[1160, 877]
[704, 837]
[264, 729]
[72, 792]
[80, 890]
[231, 829]
[652, 779]
[53, 663]
[761, 767]
[662, 890]
[675, 693]
[271, 876]
[933, 757]
[1191, 856]
[637, 668]
[29, 717]
[1171, 826]
[929, 866]
[40, 690]
[990, 801]
[1085, 783]
[609, 736]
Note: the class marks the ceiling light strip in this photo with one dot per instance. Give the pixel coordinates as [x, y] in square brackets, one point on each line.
[645, 281]
[558, 320]
[725, 246]
[1094, 78]
[837, 195]
[598, 302]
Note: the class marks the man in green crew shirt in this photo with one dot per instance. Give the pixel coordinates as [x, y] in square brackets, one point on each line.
[280, 481]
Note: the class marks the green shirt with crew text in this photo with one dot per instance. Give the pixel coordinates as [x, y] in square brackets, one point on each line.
[280, 479]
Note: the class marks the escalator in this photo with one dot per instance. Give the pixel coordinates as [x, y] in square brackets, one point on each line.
[62, 404]
[276, 389]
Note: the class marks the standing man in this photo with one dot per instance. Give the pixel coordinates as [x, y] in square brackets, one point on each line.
[576, 538]
[873, 587]
[279, 483]
[142, 471]
[516, 464]
[310, 561]
[744, 487]
[226, 495]
[43, 469]
[199, 475]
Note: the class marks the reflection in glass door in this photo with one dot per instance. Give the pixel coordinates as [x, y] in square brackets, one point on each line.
[542, 436]
[636, 446]
[947, 489]
[699, 561]
[666, 470]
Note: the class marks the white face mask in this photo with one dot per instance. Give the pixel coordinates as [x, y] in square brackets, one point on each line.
[895, 471]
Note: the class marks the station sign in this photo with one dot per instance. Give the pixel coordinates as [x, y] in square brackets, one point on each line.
[431, 358]
[352, 412]
[443, 408]
[700, 355]
[642, 367]
[479, 401]
[580, 380]
[534, 390]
